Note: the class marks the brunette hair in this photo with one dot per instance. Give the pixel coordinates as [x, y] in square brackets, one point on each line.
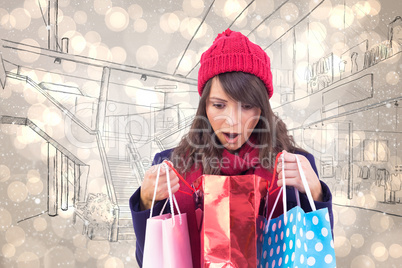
[199, 145]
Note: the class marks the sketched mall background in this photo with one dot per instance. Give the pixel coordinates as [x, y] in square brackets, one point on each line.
[91, 90]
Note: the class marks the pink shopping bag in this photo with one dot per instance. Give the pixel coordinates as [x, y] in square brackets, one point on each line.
[167, 242]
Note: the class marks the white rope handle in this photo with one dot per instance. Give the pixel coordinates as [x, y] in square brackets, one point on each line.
[305, 184]
[276, 202]
[155, 189]
[283, 189]
[285, 203]
[172, 198]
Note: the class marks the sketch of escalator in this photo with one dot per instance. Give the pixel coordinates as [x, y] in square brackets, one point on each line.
[125, 184]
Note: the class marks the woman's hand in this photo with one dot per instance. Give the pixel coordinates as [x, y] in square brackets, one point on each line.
[148, 185]
[293, 178]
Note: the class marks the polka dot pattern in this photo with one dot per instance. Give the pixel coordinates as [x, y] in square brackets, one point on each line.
[305, 240]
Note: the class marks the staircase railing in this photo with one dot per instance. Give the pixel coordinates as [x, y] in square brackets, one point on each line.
[113, 234]
[133, 156]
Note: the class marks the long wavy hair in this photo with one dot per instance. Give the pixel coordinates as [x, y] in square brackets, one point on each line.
[199, 145]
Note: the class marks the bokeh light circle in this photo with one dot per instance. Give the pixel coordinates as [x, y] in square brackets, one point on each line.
[395, 251]
[40, 224]
[59, 256]
[140, 25]
[379, 251]
[20, 18]
[28, 260]
[98, 249]
[5, 219]
[4, 173]
[135, 11]
[8, 250]
[117, 19]
[357, 240]
[17, 191]
[102, 6]
[15, 235]
[362, 261]
[29, 56]
[392, 78]
[147, 56]
[169, 22]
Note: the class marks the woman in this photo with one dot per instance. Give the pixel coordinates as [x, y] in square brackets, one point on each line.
[234, 132]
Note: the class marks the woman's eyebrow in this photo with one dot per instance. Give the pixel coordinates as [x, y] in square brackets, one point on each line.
[217, 99]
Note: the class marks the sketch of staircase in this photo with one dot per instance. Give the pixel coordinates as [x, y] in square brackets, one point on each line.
[125, 184]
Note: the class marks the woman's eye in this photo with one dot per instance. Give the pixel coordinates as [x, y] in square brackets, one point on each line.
[218, 105]
[247, 106]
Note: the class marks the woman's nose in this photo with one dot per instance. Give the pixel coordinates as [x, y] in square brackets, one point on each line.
[233, 116]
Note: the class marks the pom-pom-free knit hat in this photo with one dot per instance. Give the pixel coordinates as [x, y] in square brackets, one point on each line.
[233, 52]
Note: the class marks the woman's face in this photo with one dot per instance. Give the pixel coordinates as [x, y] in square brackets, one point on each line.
[232, 121]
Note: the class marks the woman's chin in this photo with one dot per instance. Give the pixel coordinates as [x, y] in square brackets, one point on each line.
[232, 147]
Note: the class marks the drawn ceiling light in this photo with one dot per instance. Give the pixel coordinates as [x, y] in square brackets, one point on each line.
[57, 60]
[144, 77]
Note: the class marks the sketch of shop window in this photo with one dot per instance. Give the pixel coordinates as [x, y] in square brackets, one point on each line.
[373, 173]
[376, 54]
[283, 80]
[287, 95]
[395, 34]
[365, 173]
[386, 48]
[382, 180]
[353, 60]
[375, 150]
[340, 181]
[382, 150]
[395, 185]
[327, 166]
[320, 73]
[342, 68]
[351, 174]
[398, 168]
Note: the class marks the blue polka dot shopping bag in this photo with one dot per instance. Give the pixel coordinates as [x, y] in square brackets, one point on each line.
[296, 238]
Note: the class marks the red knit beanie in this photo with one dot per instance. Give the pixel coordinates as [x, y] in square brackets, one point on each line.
[234, 52]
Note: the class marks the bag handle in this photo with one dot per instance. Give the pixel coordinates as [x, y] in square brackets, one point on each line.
[305, 184]
[181, 178]
[283, 190]
[172, 198]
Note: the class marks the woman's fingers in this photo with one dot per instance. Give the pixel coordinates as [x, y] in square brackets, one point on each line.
[292, 174]
[291, 181]
[290, 161]
[289, 174]
[149, 183]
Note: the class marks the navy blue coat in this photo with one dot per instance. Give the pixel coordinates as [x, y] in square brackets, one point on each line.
[140, 217]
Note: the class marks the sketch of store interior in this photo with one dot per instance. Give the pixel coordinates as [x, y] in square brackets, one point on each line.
[353, 123]
[78, 132]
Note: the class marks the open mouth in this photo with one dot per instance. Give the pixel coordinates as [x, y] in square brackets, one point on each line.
[231, 137]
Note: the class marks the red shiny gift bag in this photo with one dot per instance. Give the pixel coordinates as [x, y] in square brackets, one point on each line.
[230, 206]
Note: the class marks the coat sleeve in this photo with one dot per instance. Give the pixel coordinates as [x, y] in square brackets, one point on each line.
[140, 217]
[327, 196]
